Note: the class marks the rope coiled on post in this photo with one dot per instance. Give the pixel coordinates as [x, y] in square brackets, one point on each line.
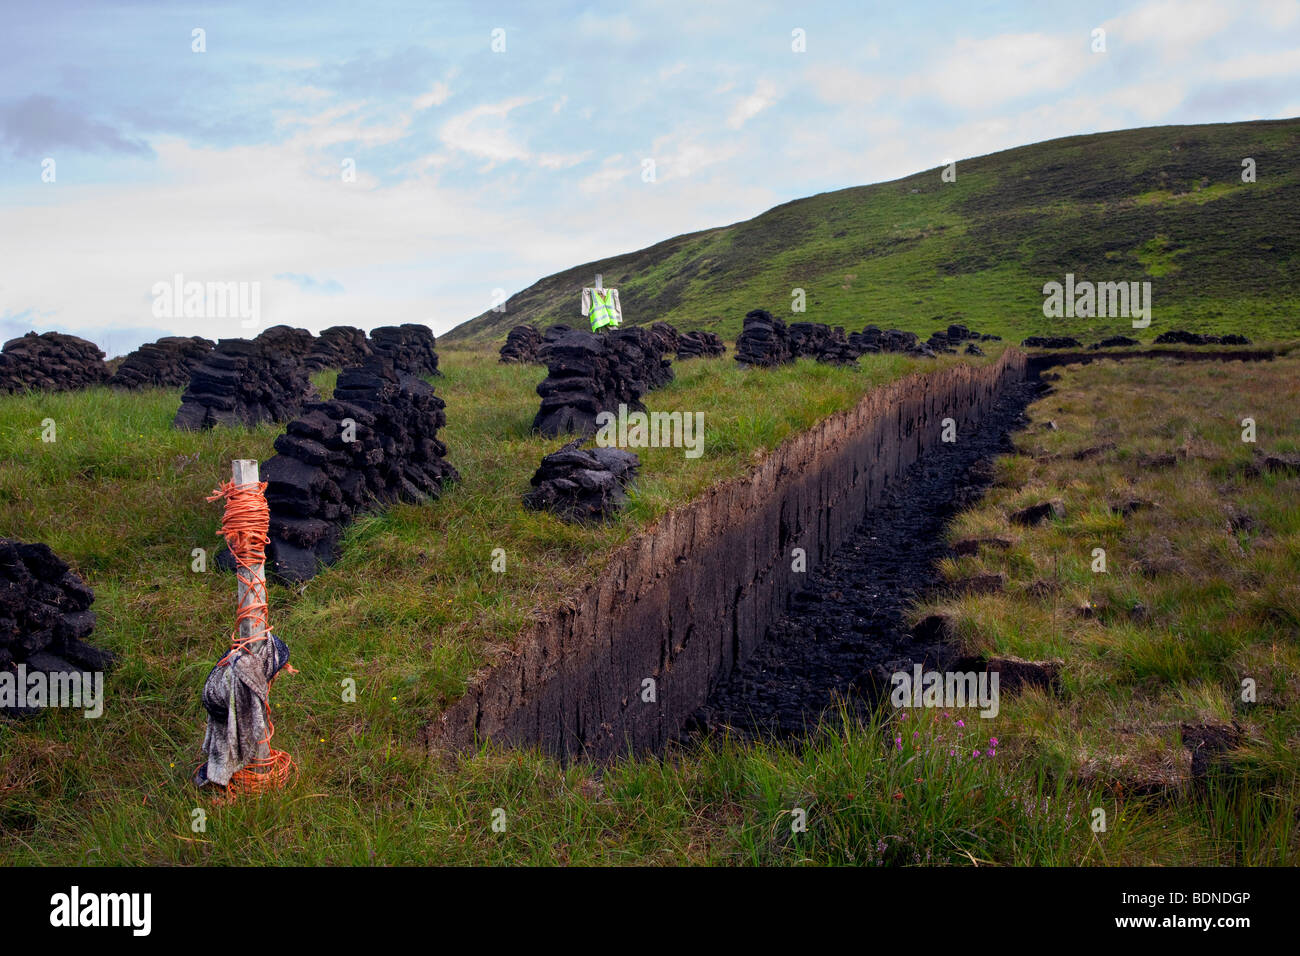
[245, 525]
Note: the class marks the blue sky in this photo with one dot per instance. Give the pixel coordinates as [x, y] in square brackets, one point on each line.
[479, 170]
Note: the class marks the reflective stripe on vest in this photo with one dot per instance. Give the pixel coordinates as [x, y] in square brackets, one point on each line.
[602, 309]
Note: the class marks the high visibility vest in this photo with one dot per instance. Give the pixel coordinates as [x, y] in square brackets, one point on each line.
[602, 309]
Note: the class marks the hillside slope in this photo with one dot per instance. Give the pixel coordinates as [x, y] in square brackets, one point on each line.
[1162, 204]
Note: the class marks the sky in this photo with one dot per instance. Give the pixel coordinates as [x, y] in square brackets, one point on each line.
[375, 163]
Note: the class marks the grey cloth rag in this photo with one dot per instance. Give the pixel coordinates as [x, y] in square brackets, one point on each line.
[234, 696]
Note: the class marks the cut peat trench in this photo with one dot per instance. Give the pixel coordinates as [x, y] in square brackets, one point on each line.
[623, 664]
[847, 629]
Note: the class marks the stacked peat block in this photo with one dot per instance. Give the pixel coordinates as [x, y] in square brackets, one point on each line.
[50, 362]
[807, 339]
[411, 348]
[819, 341]
[868, 340]
[318, 482]
[904, 343]
[697, 343]
[45, 614]
[665, 336]
[549, 337]
[590, 373]
[1051, 342]
[339, 346]
[1180, 337]
[287, 341]
[639, 360]
[764, 341]
[837, 349]
[242, 382]
[523, 346]
[167, 363]
[1115, 341]
[583, 485]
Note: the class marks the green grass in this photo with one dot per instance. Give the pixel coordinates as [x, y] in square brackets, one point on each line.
[1162, 204]
[413, 609]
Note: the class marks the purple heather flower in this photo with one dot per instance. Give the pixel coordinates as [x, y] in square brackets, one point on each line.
[961, 723]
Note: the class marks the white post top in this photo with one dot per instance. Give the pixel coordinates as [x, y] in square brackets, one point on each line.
[600, 281]
[243, 471]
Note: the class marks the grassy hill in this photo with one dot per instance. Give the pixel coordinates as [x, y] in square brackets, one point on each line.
[1162, 204]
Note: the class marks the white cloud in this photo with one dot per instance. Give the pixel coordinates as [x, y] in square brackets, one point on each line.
[1260, 65]
[482, 132]
[748, 107]
[436, 96]
[844, 85]
[988, 72]
[1173, 29]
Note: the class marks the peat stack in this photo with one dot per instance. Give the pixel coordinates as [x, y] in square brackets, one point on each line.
[411, 348]
[1115, 341]
[764, 341]
[665, 337]
[374, 443]
[242, 382]
[167, 363]
[549, 337]
[940, 342]
[639, 362]
[695, 344]
[583, 485]
[339, 346]
[45, 614]
[590, 373]
[284, 340]
[868, 340]
[807, 339]
[1180, 337]
[523, 346]
[50, 362]
[836, 349]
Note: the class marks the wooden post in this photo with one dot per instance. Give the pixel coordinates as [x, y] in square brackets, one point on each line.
[600, 281]
[251, 589]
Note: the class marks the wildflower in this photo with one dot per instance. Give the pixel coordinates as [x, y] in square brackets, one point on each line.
[915, 734]
[961, 723]
[993, 741]
[975, 752]
[899, 740]
[990, 752]
[903, 716]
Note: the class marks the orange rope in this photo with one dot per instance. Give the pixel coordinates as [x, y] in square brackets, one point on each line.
[245, 527]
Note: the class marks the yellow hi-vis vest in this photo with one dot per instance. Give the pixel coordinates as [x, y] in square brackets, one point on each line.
[602, 309]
